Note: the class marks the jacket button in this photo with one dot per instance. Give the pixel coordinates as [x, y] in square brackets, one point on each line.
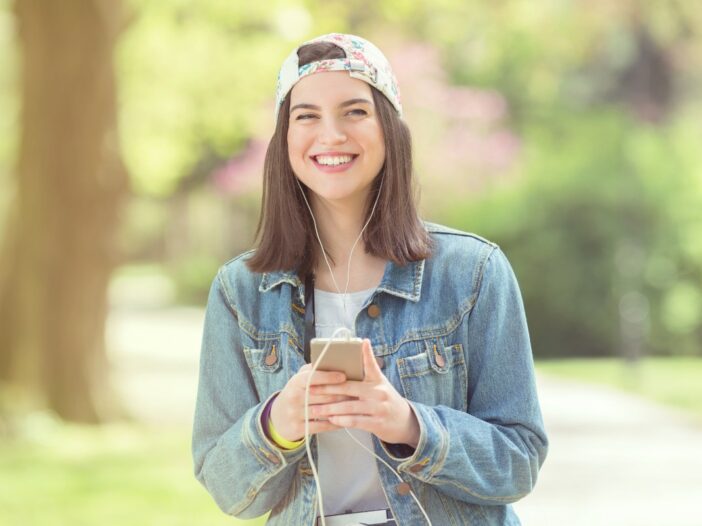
[270, 359]
[380, 361]
[440, 360]
[373, 310]
[414, 468]
[403, 488]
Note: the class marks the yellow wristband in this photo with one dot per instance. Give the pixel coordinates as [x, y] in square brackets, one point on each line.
[279, 440]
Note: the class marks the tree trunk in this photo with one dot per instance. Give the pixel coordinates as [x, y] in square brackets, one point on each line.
[71, 186]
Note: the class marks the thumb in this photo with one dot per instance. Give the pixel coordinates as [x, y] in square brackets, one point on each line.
[370, 365]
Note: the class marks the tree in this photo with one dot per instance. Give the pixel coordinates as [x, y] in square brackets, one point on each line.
[59, 249]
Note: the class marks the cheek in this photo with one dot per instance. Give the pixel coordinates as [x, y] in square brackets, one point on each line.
[295, 152]
[299, 143]
[382, 149]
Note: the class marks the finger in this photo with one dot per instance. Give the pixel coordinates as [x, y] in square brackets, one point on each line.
[323, 427]
[348, 407]
[351, 388]
[370, 365]
[321, 378]
[328, 399]
[320, 426]
[364, 422]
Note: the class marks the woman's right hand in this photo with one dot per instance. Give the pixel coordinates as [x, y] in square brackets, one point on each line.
[288, 409]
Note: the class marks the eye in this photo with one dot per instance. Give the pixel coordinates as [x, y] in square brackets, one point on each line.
[363, 112]
[304, 116]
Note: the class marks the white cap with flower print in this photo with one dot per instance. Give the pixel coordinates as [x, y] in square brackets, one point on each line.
[363, 61]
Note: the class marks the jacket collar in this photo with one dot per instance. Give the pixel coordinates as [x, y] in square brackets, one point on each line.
[401, 281]
[271, 280]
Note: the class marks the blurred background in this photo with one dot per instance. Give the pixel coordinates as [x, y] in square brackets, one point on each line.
[132, 138]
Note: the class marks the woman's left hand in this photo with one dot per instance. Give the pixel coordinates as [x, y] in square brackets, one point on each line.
[378, 407]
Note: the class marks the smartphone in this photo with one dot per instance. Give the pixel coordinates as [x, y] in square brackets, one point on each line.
[343, 354]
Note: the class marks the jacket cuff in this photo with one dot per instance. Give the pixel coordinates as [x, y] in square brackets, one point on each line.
[430, 454]
[272, 457]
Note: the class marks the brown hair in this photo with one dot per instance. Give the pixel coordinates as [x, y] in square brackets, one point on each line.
[285, 233]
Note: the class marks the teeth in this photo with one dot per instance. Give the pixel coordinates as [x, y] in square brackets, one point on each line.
[334, 161]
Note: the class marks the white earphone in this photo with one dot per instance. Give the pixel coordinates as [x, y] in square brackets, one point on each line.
[349, 333]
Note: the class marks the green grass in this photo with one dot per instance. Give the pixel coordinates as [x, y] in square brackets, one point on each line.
[58, 474]
[674, 381]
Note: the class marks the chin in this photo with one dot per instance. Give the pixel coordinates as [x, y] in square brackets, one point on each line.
[338, 197]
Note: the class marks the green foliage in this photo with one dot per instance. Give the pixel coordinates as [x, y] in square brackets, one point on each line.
[192, 277]
[192, 80]
[601, 214]
[597, 215]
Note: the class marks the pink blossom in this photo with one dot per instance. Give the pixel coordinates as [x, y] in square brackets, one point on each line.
[241, 173]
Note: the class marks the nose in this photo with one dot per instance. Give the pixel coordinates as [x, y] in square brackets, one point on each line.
[331, 132]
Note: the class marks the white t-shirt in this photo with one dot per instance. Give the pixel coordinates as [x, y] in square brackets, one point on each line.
[347, 472]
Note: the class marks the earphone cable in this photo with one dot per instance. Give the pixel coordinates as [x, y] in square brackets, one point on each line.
[348, 331]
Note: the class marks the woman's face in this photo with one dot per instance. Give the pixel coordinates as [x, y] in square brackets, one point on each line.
[332, 117]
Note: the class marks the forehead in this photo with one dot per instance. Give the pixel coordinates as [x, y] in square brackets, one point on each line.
[328, 88]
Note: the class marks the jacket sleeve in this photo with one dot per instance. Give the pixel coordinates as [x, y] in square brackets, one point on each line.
[492, 454]
[240, 467]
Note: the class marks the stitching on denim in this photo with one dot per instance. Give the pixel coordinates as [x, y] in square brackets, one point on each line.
[477, 284]
[257, 356]
[503, 499]
[448, 512]
[248, 440]
[254, 490]
[434, 228]
[416, 285]
[445, 438]
[240, 256]
[455, 361]
[265, 462]
[283, 511]
[226, 293]
[269, 337]
[441, 332]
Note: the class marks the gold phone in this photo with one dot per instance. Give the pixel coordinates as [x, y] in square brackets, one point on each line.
[344, 354]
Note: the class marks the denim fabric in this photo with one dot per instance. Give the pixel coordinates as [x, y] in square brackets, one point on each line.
[453, 334]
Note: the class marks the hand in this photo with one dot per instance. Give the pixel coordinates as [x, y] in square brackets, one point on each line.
[375, 405]
[288, 409]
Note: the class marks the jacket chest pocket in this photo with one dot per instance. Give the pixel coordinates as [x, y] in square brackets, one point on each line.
[265, 362]
[436, 375]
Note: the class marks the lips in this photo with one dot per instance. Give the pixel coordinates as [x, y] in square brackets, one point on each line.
[332, 154]
[334, 168]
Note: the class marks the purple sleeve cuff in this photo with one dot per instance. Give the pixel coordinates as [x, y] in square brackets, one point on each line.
[265, 416]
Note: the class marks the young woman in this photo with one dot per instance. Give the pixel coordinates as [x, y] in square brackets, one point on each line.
[448, 401]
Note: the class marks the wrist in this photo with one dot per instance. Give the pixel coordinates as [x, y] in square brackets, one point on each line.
[271, 432]
[281, 441]
[413, 430]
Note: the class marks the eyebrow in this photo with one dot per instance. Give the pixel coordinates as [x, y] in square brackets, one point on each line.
[342, 105]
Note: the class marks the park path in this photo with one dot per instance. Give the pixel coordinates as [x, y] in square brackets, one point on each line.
[614, 459]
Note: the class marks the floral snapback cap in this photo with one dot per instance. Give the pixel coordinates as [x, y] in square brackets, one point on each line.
[363, 61]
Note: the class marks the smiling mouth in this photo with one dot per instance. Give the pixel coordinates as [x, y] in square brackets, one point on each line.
[338, 160]
[337, 165]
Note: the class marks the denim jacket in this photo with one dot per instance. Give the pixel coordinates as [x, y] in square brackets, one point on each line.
[452, 334]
